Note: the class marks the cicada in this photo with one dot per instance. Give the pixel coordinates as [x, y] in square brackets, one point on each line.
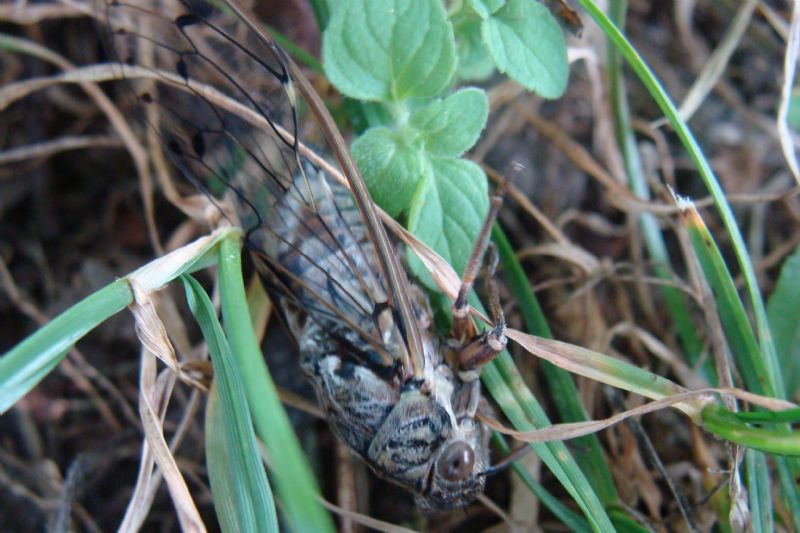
[225, 101]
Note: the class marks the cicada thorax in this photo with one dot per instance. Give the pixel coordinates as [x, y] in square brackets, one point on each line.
[225, 107]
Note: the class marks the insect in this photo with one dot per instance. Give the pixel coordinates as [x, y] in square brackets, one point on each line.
[225, 100]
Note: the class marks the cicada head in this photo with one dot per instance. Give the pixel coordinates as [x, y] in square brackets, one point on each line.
[438, 452]
[457, 473]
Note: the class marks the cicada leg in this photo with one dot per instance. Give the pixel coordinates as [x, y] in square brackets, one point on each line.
[478, 349]
[481, 348]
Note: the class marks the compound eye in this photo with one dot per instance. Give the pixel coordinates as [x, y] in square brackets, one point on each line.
[456, 462]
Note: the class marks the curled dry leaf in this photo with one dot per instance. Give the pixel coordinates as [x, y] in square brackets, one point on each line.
[150, 329]
[153, 335]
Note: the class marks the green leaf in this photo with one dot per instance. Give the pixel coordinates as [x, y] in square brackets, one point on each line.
[31, 360]
[450, 126]
[230, 478]
[774, 440]
[527, 43]
[364, 115]
[474, 61]
[290, 473]
[388, 50]
[391, 168]
[770, 417]
[758, 375]
[505, 383]
[793, 118]
[485, 8]
[448, 211]
[242, 495]
[784, 321]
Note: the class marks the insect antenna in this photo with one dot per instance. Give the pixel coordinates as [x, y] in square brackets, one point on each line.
[508, 460]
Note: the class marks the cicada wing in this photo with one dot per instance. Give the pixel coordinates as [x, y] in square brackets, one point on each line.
[222, 97]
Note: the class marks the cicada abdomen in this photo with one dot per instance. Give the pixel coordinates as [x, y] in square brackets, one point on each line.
[224, 99]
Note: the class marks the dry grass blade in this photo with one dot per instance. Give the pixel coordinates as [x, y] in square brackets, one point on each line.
[690, 403]
[155, 275]
[586, 363]
[586, 217]
[153, 335]
[496, 509]
[153, 400]
[718, 61]
[570, 253]
[144, 491]
[345, 486]
[513, 191]
[789, 69]
[358, 518]
[687, 375]
[115, 117]
[50, 148]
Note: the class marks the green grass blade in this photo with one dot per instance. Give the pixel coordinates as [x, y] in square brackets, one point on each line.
[786, 466]
[562, 387]
[300, 54]
[658, 93]
[503, 381]
[322, 13]
[625, 524]
[773, 440]
[239, 484]
[776, 439]
[31, 360]
[733, 316]
[290, 472]
[768, 352]
[784, 319]
[772, 417]
[759, 491]
[523, 410]
[753, 367]
[222, 475]
[517, 281]
[570, 519]
[675, 300]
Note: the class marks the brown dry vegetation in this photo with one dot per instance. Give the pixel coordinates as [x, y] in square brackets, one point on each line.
[76, 212]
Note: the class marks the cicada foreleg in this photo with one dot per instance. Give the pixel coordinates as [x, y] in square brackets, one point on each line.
[478, 349]
[481, 348]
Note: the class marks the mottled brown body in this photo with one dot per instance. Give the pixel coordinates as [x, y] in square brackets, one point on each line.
[404, 431]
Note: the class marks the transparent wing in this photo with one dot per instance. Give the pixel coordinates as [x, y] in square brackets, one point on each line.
[224, 99]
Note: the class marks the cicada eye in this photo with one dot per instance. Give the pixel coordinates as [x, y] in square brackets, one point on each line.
[456, 461]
